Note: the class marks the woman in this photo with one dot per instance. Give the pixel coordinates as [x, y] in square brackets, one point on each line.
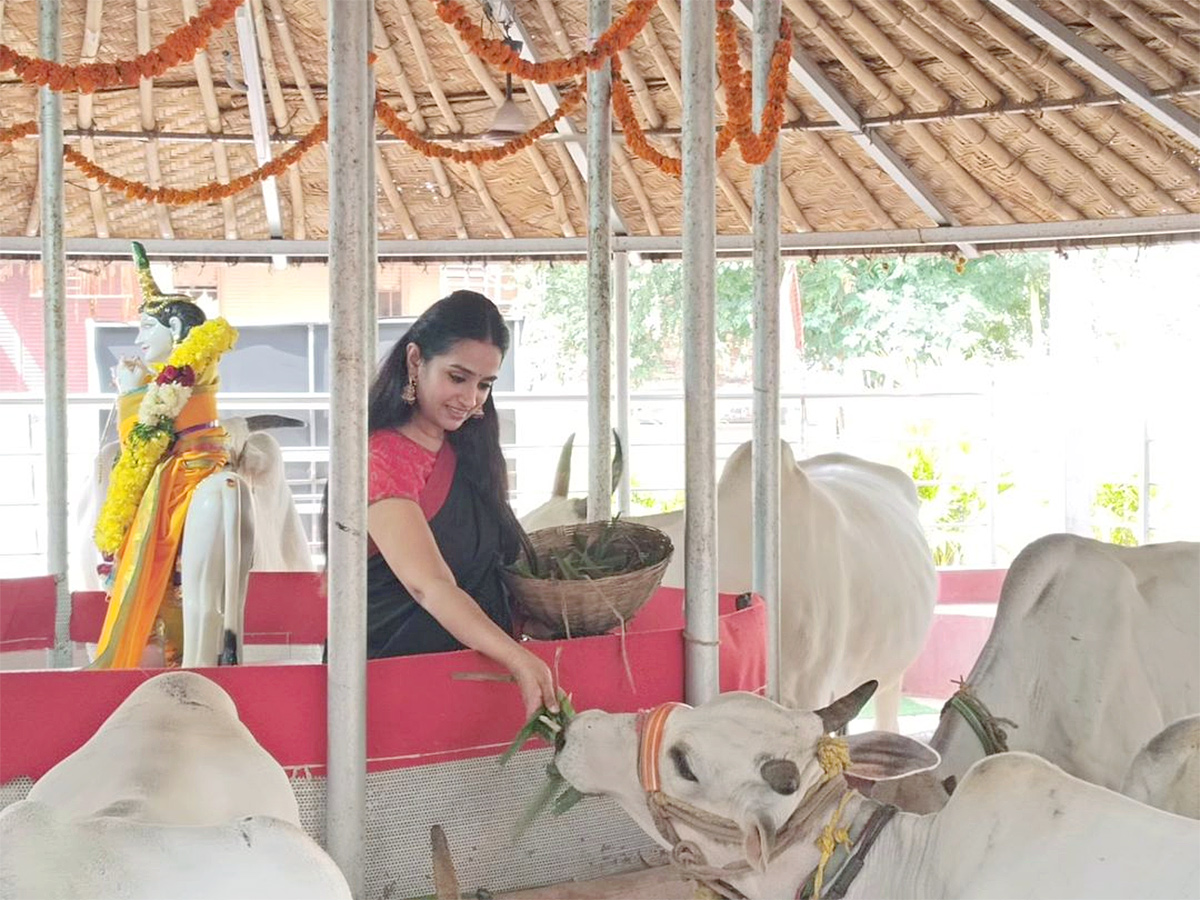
[438, 521]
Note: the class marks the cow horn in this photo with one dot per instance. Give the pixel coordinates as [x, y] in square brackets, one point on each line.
[618, 461]
[562, 477]
[837, 714]
[264, 421]
[782, 775]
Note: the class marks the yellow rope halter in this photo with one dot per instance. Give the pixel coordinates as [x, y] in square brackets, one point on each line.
[833, 753]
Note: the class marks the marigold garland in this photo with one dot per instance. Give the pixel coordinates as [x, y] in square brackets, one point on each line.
[213, 190]
[18, 131]
[180, 46]
[570, 100]
[755, 147]
[148, 440]
[615, 38]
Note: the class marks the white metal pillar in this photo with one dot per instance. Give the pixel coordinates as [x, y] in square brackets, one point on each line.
[54, 339]
[702, 675]
[599, 148]
[351, 273]
[766, 454]
[621, 297]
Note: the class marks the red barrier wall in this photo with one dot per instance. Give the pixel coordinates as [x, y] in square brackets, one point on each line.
[418, 712]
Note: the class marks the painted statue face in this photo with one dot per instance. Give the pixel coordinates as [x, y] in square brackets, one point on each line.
[154, 339]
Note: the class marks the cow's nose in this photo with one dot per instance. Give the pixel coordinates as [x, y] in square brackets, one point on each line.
[782, 775]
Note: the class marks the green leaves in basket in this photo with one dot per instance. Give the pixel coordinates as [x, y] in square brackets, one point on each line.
[609, 552]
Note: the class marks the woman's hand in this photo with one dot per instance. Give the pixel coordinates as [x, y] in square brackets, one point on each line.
[534, 680]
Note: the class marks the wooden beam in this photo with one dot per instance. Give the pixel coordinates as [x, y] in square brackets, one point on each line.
[147, 122]
[429, 73]
[313, 108]
[93, 17]
[279, 113]
[666, 67]
[212, 120]
[387, 54]
[553, 188]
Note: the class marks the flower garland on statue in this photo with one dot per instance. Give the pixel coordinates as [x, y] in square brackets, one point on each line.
[148, 441]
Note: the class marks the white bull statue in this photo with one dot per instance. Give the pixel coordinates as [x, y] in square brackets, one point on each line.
[750, 798]
[176, 502]
[171, 797]
[857, 586]
[1093, 653]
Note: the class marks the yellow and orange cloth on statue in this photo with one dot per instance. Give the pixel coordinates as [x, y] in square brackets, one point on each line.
[144, 568]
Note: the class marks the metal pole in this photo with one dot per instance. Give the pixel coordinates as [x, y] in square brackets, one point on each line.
[599, 145]
[54, 340]
[1147, 482]
[702, 678]
[766, 452]
[621, 290]
[350, 275]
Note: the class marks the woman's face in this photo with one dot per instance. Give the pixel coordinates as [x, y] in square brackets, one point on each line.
[452, 386]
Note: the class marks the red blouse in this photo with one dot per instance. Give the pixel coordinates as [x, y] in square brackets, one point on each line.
[397, 466]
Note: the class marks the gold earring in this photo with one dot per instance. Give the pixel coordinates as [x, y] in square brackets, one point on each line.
[409, 394]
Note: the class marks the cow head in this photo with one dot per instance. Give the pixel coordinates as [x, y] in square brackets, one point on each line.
[741, 760]
[561, 509]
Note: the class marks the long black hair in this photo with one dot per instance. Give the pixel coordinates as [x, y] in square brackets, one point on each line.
[463, 315]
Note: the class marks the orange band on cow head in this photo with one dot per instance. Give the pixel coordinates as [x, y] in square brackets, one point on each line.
[650, 735]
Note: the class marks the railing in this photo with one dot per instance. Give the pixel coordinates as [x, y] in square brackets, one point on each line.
[878, 425]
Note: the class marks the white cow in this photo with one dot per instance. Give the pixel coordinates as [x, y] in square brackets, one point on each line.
[858, 583]
[1166, 773]
[738, 791]
[238, 519]
[281, 544]
[1092, 653]
[172, 797]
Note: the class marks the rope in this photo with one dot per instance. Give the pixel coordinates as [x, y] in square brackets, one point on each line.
[833, 753]
[831, 835]
[976, 714]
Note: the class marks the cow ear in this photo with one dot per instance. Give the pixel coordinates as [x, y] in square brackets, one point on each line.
[882, 756]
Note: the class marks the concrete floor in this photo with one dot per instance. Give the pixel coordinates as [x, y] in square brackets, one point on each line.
[662, 883]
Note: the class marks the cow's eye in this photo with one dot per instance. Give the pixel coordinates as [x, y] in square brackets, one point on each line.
[679, 757]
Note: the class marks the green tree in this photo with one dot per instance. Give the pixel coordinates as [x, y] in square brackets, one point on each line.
[920, 310]
[656, 315]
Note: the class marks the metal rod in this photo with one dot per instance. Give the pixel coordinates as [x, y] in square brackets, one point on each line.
[54, 339]
[621, 293]
[797, 127]
[350, 104]
[702, 660]
[1137, 230]
[1102, 67]
[765, 511]
[599, 147]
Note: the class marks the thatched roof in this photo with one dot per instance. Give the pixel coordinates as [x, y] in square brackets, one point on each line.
[990, 122]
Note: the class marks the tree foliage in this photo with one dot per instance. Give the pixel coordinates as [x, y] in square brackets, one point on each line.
[915, 311]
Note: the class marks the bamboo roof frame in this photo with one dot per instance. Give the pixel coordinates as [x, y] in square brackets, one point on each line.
[901, 115]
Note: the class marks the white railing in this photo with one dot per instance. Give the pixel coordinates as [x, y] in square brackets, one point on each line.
[874, 424]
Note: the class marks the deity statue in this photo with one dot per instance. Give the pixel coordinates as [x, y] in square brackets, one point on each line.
[177, 522]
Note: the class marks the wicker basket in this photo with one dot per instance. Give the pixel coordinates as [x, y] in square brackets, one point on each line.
[557, 608]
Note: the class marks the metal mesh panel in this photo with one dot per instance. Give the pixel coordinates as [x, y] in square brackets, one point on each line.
[478, 804]
[14, 791]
